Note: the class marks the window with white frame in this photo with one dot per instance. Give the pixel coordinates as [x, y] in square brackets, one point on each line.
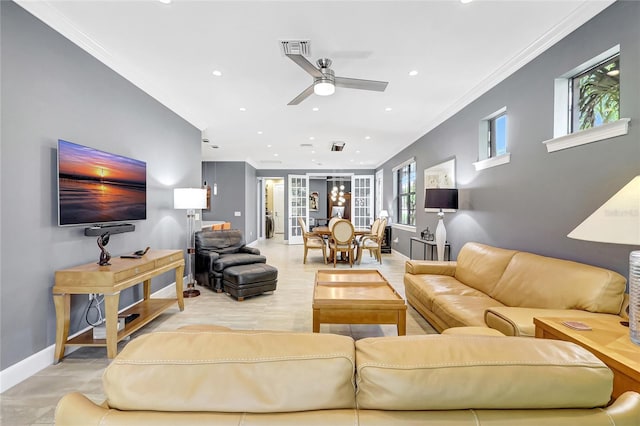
[492, 142]
[587, 103]
[594, 95]
[379, 188]
[405, 177]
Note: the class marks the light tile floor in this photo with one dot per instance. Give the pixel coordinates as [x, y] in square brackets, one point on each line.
[33, 401]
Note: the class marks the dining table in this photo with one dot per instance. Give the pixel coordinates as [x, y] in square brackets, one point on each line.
[325, 232]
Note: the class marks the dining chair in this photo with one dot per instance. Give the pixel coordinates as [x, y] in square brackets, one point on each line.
[373, 243]
[342, 240]
[332, 222]
[311, 241]
[374, 230]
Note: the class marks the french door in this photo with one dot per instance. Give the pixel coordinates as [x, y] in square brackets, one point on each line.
[362, 200]
[298, 206]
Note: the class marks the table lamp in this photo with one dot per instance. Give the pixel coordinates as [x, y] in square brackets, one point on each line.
[441, 198]
[190, 199]
[618, 221]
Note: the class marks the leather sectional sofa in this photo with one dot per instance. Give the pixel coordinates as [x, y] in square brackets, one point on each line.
[218, 377]
[505, 289]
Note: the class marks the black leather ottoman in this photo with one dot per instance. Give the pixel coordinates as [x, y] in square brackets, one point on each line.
[249, 280]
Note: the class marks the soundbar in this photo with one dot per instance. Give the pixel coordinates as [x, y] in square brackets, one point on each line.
[96, 230]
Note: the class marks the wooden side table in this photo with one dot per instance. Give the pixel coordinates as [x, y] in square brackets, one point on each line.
[608, 340]
[110, 281]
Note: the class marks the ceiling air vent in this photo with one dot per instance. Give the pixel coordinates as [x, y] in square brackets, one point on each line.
[296, 47]
[270, 162]
[337, 146]
[306, 145]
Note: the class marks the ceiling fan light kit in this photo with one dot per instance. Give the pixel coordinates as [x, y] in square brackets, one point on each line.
[325, 81]
[323, 88]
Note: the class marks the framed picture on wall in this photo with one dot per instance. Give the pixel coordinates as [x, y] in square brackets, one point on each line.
[313, 202]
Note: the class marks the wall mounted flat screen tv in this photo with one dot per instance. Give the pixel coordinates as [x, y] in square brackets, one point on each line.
[96, 187]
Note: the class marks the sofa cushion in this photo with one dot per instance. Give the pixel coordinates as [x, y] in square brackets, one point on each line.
[235, 259]
[467, 372]
[481, 266]
[534, 281]
[427, 287]
[462, 310]
[232, 372]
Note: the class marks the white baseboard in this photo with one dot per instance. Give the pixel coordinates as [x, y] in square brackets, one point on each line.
[22, 370]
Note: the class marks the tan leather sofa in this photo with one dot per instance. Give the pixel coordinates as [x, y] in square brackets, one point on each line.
[191, 377]
[505, 289]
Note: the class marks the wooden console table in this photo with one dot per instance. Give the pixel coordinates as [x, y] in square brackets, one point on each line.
[110, 281]
[607, 340]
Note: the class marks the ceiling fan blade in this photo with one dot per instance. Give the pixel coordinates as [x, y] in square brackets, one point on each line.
[305, 65]
[302, 96]
[356, 83]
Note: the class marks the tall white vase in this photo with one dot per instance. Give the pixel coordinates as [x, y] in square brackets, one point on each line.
[441, 238]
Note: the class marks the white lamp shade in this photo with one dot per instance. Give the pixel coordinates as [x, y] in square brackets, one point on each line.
[189, 198]
[616, 221]
[383, 214]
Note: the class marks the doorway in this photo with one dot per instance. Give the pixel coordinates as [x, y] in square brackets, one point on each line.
[271, 207]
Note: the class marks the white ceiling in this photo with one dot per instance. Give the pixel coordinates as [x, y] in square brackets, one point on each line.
[170, 51]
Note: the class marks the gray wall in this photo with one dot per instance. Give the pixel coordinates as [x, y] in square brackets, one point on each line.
[233, 188]
[533, 202]
[51, 90]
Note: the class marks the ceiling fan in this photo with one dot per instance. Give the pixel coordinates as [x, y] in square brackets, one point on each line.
[325, 80]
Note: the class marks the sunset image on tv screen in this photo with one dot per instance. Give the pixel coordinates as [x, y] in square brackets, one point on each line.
[98, 187]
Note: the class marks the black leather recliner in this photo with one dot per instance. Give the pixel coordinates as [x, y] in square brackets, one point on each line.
[218, 250]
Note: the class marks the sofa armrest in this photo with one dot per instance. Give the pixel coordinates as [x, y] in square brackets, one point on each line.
[515, 321]
[75, 409]
[205, 260]
[250, 250]
[416, 267]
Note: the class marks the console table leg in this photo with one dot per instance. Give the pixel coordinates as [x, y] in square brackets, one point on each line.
[179, 286]
[111, 302]
[147, 289]
[62, 303]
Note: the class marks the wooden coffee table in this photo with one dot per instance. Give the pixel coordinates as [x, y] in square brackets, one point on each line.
[357, 297]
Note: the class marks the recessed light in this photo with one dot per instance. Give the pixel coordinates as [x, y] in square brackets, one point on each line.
[315, 109]
[243, 109]
[311, 138]
[465, 1]
[165, 1]
[275, 155]
[357, 151]
[367, 137]
[313, 152]
[217, 73]
[259, 132]
[269, 146]
[388, 109]
[413, 73]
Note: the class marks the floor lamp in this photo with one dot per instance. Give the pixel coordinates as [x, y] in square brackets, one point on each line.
[441, 198]
[618, 221]
[190, 199]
